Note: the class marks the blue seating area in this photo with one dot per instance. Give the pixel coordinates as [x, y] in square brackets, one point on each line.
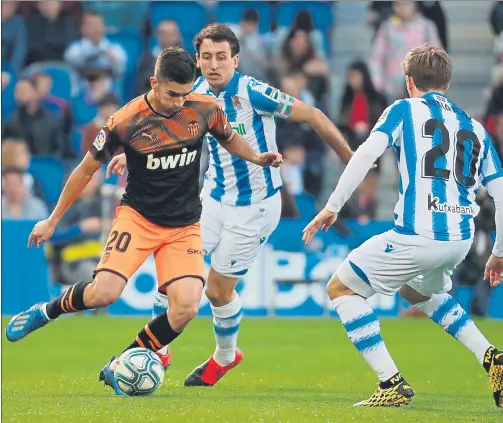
[126, 26]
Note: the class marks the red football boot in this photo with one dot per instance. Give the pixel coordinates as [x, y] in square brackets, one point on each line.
[165, 359]
[210, 372]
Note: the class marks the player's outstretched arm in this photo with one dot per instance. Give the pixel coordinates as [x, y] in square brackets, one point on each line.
[494, 267]
[359, 165]
[237, 146]
[76, 183]
[324, 127]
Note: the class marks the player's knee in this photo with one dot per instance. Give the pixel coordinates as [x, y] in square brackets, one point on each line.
[105, 290]
[335, 288]
[220, 289]
[180, 315]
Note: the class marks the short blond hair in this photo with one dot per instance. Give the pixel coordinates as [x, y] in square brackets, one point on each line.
[429, 67]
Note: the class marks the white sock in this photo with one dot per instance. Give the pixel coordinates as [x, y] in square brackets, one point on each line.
[446, 312]
[364, 331]
[44, 310]
[226, 320]
[160, 306]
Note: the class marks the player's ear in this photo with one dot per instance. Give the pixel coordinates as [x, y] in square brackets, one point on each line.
[153, 82]
[198, 63]
[235, 61]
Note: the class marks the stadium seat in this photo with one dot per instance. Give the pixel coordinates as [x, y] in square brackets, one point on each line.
[231, 12]
[8, 101]
[65, 81]
[191, 16]
[321, 11]
[50, 172]
[83, 112]
[306, 205]
[120, 17]
[132, 45]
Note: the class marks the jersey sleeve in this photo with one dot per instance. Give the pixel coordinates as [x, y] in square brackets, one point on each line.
[267, 100]
[106, 143]
[391, 122]
[490, 163]
[218, 123]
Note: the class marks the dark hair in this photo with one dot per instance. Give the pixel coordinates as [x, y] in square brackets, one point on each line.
[174, 64]
[108, 99]
[368, 87]
[217, 33]
[93, 13]
[297, 63]
[11, 170]
[250, 15]
[429, 67]
[304, 21]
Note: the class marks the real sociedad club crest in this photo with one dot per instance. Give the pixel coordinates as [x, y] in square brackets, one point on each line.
[193, 128]
[236, 103]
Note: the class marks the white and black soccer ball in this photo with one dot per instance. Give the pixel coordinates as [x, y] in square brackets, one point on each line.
[139, 372]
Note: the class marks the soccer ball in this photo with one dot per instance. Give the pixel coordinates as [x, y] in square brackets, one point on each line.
[139, 372]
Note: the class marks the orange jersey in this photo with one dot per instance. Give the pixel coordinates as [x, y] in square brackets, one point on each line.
[163, 155]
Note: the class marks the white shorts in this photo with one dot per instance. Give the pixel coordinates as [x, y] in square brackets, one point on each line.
[386, 262]
[233, 235]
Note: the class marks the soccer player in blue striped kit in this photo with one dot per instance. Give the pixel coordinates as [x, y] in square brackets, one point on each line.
[443, 155]
[241, 202]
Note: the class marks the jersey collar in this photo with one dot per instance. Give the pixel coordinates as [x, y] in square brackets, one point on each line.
[231, 88]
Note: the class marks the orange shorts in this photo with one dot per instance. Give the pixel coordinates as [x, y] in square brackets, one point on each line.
[177, 251]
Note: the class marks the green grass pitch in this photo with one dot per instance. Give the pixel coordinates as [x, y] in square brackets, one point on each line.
[294, 370]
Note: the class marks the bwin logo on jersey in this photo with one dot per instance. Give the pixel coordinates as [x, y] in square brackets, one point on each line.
[434, 203]
[170, 162]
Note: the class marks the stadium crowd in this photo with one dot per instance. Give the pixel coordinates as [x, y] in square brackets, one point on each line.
[66, 66]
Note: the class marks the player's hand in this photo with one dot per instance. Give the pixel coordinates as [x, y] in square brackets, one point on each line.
[324, 220]
[42, 231]
[117, 165]
[269, 159]
[494, 270]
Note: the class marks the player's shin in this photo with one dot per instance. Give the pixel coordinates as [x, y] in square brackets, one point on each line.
[71, 301]
[226, 321]
[446, 312]
[160, 306]
[364, 331]
[155, 335]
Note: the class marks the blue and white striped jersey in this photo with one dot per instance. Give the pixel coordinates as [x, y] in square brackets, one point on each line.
[251, 107]
[443, 154]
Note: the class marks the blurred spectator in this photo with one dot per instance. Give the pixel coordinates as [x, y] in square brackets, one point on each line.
[106, 107]
[254, 51]
[298, 54]
[168, 35]
[42, 130]
[303, 22]
[498, 135]
[292, 169]
[497, 17]
[15, 154]
[49, 32]
[363, 203]
[406, 29]
[75, 247]
[361, 104]
[57, 105]
[495, 104]
[380, 11]
[433, 10]
[94, 52]
[17, 202]
[498, 48]
[86, 104]
[294, 137]
[13, 37]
